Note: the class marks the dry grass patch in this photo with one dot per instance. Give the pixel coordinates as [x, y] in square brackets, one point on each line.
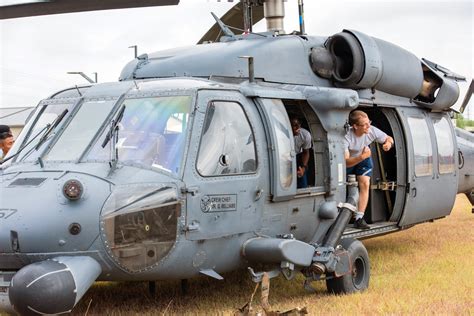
[425, 270]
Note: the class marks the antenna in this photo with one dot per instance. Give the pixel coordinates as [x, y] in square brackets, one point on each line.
[251, 68]
[83, 75]
[135, 47]
[301, 16]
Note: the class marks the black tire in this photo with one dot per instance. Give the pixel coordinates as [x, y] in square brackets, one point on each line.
[358, 279]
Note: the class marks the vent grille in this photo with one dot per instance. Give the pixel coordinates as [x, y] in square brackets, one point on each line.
[27, 182]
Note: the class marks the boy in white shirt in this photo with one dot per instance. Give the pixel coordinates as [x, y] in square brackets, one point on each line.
[358, 156]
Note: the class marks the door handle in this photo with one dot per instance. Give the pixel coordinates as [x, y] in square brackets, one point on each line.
[192, 190]
[413, 192]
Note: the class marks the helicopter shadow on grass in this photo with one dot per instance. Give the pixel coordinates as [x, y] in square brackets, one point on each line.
[205, 294]
[202, 294]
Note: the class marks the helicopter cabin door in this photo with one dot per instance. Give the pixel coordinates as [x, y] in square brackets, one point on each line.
[432, 176]
[224, 172]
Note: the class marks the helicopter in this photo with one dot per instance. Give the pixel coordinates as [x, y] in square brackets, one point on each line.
[186, 167]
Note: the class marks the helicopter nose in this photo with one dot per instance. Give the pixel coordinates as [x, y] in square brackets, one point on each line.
[52, 286]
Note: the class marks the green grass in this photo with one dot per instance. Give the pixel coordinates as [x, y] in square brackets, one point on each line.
[426, 270]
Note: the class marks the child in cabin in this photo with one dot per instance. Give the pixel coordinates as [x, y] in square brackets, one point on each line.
[358, 156]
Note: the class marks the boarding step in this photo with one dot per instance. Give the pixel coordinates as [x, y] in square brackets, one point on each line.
[384, 186]
[376, 229]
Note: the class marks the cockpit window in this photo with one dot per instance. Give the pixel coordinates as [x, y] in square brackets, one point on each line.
[227, 142]
[152, 133]
[37, 127]
[80, 131]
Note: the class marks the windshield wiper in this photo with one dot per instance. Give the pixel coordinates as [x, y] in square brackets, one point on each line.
[51, 127]
[113, 126]
[48, 128]
[113, 134]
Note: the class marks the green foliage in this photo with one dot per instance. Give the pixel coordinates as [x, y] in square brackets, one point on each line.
[462, 122]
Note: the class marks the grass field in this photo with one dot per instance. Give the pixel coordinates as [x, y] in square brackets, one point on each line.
[428, 269]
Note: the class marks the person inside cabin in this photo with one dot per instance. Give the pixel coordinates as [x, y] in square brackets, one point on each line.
[358, 156]
[6, 140]
[302, 139]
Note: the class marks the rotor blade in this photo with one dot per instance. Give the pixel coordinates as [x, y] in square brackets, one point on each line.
[233, 18]
[25, 8]
[468, 96]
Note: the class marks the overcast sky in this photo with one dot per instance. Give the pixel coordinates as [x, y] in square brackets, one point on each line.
[37, 52]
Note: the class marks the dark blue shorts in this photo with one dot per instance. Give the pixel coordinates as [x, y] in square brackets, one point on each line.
[363, 168]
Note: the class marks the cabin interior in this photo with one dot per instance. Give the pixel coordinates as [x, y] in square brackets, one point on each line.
[383, 206]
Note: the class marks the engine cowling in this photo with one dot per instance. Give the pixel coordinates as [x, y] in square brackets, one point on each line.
[364, 62]
[355, 60]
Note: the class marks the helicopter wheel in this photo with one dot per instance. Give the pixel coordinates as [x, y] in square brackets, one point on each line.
[358, 279]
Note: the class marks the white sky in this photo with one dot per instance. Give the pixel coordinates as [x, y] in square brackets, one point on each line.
[37, 52]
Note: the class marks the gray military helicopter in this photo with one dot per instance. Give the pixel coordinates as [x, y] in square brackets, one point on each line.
[186, 166]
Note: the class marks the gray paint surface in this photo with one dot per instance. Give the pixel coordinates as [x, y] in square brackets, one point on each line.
[212, 241]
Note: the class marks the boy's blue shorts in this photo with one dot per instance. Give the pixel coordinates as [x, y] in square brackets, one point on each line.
[363, 168]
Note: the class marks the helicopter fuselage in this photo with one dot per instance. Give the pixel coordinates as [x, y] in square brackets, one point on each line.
[170, 178]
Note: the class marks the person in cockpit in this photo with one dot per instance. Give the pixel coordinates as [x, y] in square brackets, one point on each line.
[6, 140]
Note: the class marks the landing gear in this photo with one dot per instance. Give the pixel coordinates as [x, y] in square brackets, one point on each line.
[358, 279]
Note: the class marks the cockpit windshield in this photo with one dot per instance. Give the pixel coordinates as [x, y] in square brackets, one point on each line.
[151, 133]
[36, 127]
[81, 130]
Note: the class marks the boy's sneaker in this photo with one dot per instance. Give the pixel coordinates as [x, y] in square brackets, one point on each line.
[360, 223]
